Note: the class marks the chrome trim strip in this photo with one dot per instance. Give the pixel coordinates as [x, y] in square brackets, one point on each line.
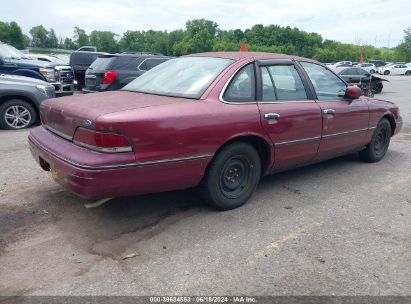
[59, 133]
[106, 150]
[138, 68]
[119, 166]
[372, 128]
[287, 101]
[344, 133]
[297, 141]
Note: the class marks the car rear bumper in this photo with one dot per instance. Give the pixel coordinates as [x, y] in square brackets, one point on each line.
[107, 178]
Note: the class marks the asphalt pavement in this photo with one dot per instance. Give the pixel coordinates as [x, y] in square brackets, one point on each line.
[341, 227]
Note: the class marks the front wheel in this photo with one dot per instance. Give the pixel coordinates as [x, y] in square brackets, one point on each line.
[232, 177]
[378, 146]
[16, 114]
[387, 73]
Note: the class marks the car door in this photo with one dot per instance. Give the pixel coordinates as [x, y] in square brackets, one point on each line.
[289, 114]
[345, 122]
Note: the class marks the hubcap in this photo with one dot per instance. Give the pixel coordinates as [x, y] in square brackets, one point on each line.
[17, 117]
[235, 177]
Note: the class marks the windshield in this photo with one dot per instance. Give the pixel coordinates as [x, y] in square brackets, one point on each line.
[181, 77]
[9, 52]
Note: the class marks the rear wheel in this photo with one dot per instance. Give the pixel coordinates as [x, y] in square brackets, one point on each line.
[377, 148]
[232, 177]
[408, 73]
[16, 114]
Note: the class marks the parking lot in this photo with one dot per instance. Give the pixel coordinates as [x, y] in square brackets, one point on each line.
[341, 227]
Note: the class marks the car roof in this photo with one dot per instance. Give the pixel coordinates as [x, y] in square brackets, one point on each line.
[250, 55]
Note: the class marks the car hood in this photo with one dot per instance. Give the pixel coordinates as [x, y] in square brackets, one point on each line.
[65, 114]
[14, 79]
[31, 63]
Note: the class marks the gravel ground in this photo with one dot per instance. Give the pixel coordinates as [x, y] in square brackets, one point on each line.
[341, 227]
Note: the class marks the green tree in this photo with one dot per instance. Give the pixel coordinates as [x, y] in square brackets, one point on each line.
[11, 33]
[40, 36]
[52, 40]
[80, 37]
[69, 44]
[104, 41]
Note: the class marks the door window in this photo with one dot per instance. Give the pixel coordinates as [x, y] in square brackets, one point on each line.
[326, 84]
[282, 82]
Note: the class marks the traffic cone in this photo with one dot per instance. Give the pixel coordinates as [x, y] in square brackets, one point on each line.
[361, 59]
[243, 47]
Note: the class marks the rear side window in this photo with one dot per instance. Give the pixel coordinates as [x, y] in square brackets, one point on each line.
[350, 72]
[151, 63]
[327, 85]
[242, 87]
[101, 64]
[124, 63]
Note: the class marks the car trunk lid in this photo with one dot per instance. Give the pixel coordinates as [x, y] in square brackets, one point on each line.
[63, 115]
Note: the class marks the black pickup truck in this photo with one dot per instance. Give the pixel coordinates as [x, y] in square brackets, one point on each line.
[14, 62]
[81, 59]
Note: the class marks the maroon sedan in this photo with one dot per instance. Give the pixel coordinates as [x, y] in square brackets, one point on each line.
[219, 121]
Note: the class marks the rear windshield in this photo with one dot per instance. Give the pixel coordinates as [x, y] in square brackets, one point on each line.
[181, 77]
[101, 64]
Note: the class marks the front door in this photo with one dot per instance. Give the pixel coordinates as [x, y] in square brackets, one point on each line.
[289, 115]
[345, 122]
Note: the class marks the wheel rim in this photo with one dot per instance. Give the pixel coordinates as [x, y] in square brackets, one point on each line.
[235, 176]
[17, 117]
[380, 141]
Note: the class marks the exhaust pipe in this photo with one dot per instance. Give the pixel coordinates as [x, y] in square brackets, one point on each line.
[97, 203]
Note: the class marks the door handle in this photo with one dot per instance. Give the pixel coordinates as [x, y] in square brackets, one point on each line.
[329, 111]
[271, 115]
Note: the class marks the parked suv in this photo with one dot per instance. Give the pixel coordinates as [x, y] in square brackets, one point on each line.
[14, 62]
[114, 71]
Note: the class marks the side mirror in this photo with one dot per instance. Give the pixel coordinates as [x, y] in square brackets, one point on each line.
[352, 92]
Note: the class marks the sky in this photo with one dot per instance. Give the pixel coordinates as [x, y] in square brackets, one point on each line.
[375, 22]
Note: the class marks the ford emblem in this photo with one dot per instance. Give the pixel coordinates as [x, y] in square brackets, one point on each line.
[87, 123]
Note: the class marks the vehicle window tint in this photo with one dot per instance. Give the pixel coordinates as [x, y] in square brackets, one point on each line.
[151, 63]
[242, 87]
[287, 83]
[268, 88]
[326, 84]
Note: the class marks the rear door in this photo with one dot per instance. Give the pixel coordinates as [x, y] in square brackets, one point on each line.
[289, 114]
[345, 122]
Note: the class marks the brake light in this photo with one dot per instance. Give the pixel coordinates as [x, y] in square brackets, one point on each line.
[109, 77]
[102, 141]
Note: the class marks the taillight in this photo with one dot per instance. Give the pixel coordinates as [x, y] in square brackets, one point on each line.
[109, 77]
[102, 141]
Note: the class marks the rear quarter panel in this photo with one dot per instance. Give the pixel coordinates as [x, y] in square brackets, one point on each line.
[184, 129]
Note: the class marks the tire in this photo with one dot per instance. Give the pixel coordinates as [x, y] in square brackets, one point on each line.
[372, 71]
[386, 72]
[378, 146]
[16, 114]
[408, 73]
[232, 177]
